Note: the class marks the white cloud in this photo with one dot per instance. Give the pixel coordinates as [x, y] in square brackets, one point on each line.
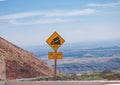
[105, 5]
[20, 15]
[72, 13]
[44, 21]
[57, 16]
[49, 14]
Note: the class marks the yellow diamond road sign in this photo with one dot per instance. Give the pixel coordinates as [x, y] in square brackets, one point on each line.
[55, 41]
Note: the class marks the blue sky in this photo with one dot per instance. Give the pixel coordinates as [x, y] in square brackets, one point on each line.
[31, 22]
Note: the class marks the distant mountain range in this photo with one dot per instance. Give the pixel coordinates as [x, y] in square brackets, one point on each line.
[80, 49]
[83, 57]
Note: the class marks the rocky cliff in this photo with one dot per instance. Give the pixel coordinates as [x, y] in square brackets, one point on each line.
[21, 63]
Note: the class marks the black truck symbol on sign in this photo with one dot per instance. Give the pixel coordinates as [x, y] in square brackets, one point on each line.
[55, 41]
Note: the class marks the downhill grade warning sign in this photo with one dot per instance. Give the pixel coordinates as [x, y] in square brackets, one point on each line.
[55, 41]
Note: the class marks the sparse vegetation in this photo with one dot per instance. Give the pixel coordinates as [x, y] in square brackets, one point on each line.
[105, 75]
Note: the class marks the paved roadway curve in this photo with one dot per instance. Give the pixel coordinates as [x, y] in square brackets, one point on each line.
[2, 82]
[62, 83]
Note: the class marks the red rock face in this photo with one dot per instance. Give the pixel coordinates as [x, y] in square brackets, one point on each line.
[21, 63]
[15, 70]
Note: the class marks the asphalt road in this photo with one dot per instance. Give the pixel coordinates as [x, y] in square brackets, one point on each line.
[2, 82]
[62, 83]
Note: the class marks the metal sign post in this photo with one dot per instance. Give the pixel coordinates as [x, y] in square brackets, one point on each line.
[55, 41]
[55, 77]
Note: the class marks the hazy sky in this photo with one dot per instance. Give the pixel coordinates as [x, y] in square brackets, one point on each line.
[31, 22]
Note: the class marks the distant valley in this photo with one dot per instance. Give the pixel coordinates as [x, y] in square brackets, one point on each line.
[78, 60]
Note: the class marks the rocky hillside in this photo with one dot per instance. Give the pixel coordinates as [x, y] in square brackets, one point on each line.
[21, 63]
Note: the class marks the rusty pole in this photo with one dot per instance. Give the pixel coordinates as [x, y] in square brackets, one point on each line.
[55, 71]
